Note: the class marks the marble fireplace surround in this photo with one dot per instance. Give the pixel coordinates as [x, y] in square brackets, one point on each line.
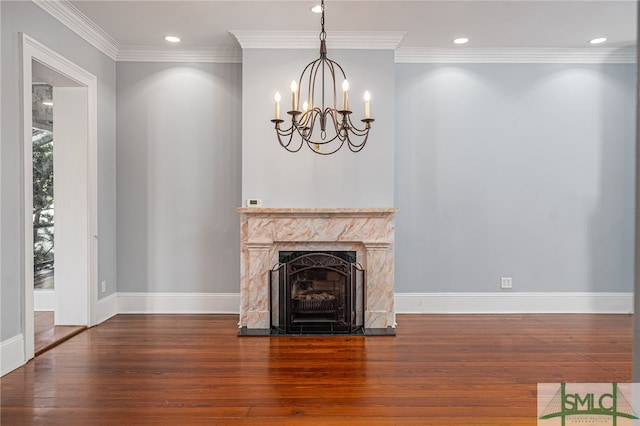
[264, 232]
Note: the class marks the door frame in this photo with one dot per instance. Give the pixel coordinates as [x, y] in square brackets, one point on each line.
[32, 50]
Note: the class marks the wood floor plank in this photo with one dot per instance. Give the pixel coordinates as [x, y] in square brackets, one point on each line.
[47, 335]
[193, 369]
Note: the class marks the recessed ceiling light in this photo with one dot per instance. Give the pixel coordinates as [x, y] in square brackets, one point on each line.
[460, 40]
[172, 39]
[316, 9]
[598, 40]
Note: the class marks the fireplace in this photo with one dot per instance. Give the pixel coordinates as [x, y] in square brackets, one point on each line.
[318, 292]
[266, 232]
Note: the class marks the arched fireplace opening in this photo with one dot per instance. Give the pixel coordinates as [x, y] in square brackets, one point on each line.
[317, 293]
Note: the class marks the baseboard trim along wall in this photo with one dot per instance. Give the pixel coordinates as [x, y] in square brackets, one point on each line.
[405, 303]
[11, 354]
[106, 308]
[178, 303]
[521, 303]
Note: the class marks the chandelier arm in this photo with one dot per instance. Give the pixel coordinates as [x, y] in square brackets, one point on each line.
[354, 146]
[313, 72]
[302, 132]
[336, 119]
[310, 66]
[308, 137]
[358, 131]
[284, 133]
[335, 64]
[332, 67]
[358, 147]
[311, 122]
[304, 119]
[338, 122]
[328, 152]
[286, 145]
[306, 129]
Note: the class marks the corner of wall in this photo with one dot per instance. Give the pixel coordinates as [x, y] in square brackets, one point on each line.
[106, 308]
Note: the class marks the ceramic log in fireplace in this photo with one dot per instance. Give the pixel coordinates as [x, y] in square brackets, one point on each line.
[318, 293]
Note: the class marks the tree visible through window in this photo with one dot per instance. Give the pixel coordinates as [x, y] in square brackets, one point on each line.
[42, 141]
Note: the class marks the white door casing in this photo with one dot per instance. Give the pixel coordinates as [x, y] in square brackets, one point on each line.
[76, 157]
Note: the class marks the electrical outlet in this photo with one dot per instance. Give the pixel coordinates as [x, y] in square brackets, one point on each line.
[506, 282]
[103, 287]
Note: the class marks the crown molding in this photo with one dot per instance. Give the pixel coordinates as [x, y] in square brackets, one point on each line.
[155, 54]
[79, 23]
[76, 21]
[310, 40]
[624, 55]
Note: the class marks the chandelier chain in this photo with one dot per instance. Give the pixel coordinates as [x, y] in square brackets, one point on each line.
[323, 33]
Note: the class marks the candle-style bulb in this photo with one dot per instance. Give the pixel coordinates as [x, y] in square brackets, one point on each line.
[294, 95]
[305, 106]
[345, 95]
[367, 111]
[277, 98]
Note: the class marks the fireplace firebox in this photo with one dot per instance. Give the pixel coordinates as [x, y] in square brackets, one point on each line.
[318, 293]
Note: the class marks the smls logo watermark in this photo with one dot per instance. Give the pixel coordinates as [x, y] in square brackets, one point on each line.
[587, 404]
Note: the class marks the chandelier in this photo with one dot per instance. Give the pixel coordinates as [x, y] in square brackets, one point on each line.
[322, 127]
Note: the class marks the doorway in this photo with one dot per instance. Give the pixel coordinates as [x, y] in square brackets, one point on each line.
[74, 126]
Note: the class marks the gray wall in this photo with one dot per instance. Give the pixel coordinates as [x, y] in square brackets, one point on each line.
[305, 179]
[30, 19]
[636, 287]
[518, 170]
[178, 174]
[500, 170]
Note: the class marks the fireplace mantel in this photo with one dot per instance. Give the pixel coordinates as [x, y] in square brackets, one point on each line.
[266, 231]
[315, 211]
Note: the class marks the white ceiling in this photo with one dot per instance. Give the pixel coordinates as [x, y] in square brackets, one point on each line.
[488, 24]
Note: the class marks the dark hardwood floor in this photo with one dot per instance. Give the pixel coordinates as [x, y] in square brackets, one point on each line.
[48, 335]
[193, 369]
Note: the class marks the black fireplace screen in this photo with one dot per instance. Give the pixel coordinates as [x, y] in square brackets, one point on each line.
[317, 293]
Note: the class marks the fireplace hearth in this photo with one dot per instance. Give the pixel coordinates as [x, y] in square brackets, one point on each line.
[318, 293]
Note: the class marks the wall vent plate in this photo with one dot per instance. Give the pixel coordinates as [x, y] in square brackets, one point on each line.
[254, 202]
